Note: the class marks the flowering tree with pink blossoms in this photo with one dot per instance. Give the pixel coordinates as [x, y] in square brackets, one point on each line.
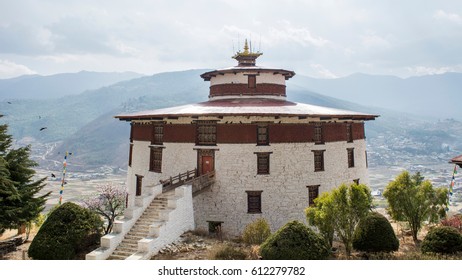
[108, 202]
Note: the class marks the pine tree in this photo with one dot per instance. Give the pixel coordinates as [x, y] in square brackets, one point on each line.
[10, 205]
[19, 199]
[21, 173]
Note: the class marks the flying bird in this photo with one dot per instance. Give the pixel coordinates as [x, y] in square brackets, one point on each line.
[43, 128]
[53, 175]
[9, 102]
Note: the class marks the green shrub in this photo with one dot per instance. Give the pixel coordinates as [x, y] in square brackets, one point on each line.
[375, 234]
[444, 240]
[66, 233]
[228, 252]
[294, 241]
[257, 232]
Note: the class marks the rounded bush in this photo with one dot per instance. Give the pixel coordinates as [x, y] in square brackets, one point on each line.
[294, 241]
[444, 240]
[375, 234]
[66, 233]
[256, 232]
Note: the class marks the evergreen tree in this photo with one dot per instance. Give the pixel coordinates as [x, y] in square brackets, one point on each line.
[9, 199]
[21, 173]
[19, 199]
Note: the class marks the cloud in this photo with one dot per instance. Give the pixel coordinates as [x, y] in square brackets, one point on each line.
[442, 15]
[374, 41]
[10, 69]
[322, 72]
[25, 39]
[285, 32]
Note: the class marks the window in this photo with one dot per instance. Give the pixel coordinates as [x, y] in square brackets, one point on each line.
[349, 132]
[263, 163]
[318, 160]
[254, 201]
[356, 181]
[318, 134]
[206, 133]
[158, 137]
[139, 184]
[155, 160]
[262, 135]
[351, 157]
[313, 193]
[130, 155]
[252, 81]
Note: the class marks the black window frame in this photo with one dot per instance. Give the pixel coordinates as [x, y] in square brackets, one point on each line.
[206, 133]
[351, 157]
[318, 157]
[262, 135]
[254, 202]
[263, 163]
[155, 160]
[313, 193]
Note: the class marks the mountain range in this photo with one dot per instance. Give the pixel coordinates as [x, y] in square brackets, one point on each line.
[83, 123]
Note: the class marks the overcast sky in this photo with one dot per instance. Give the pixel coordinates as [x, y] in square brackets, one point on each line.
[316, 38]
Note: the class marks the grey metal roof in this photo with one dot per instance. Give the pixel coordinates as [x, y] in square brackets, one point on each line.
[247, 107]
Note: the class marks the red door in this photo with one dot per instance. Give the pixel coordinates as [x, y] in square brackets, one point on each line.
[207, 164]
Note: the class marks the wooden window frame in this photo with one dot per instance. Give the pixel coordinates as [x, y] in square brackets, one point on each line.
[157, 134]
[262, 135]
[155, 160]
[254, 202]
[351, 157]
[206, 133]
[263, 163]
[313, 193]
[349, 132]
[318, 156]
[318, 133]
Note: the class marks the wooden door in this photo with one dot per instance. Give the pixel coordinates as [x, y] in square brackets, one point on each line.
[207, 164]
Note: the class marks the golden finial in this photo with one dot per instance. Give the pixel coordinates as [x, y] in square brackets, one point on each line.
[247, 57]
[246, 48]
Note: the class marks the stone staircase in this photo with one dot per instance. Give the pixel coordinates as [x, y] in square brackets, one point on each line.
[141, 229]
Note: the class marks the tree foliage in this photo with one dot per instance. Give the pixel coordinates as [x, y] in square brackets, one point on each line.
[69, 231]
[294, 241]
[109, 202]
[413, 200]
[321, 215]
[340, 211]
[20, 202]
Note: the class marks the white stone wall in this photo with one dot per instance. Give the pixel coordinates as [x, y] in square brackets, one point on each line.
[285, 193]
[176, 158]
[241, 78]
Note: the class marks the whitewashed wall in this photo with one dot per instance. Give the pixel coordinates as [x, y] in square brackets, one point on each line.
[284, 196]
[240, 78]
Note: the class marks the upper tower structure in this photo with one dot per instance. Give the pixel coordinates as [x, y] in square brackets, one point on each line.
[247, 80]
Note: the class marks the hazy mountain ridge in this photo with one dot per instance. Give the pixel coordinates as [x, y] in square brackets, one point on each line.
[436, 96]
[59, 85]
[85, 125]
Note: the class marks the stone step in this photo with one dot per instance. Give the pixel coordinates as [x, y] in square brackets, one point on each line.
[116, 257]
[123, 253]
[136, 235]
